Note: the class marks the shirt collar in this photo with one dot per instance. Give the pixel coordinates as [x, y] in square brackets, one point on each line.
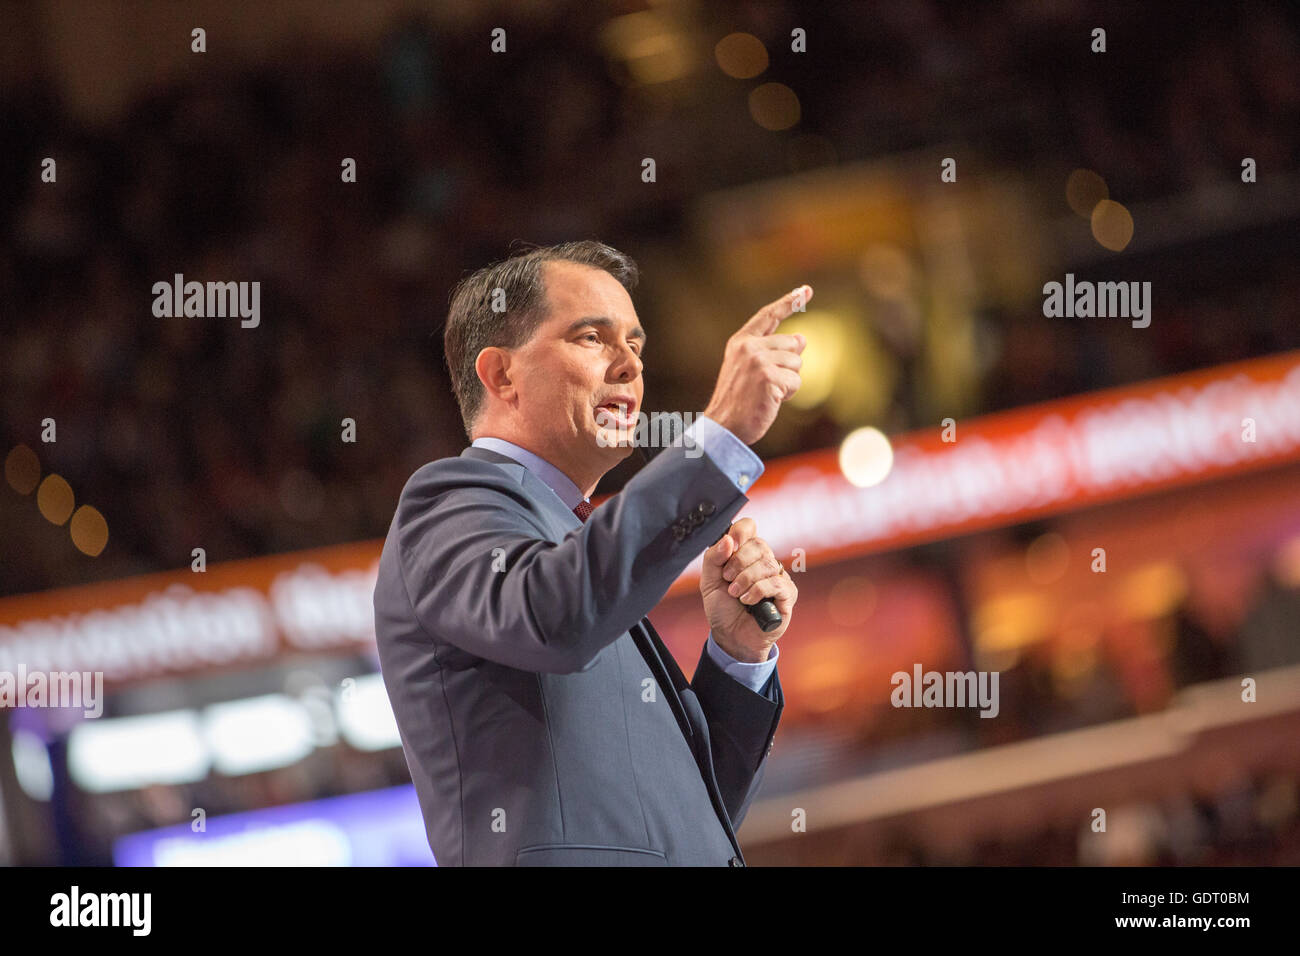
[555, 479]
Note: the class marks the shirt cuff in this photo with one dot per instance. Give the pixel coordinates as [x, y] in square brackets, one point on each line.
[732, 456]
[753, 676]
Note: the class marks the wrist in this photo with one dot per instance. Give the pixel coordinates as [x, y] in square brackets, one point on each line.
[722, 419]
[716, 416]
[746, 655]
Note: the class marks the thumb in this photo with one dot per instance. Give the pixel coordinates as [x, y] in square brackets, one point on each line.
[718, 555]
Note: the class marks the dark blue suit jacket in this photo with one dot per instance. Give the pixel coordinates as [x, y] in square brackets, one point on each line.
[543, 720]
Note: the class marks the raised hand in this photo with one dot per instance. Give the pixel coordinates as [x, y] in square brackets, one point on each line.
[760, 370]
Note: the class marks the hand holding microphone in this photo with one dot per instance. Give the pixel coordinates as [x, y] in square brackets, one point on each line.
[741, 567]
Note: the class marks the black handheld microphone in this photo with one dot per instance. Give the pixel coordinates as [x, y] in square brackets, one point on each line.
[764, 613]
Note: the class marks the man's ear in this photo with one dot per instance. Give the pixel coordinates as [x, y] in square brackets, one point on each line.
[493, 368]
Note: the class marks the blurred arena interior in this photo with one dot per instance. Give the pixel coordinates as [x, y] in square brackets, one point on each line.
[251, 691]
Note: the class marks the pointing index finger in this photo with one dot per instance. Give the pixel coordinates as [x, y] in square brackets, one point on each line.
[766, 319]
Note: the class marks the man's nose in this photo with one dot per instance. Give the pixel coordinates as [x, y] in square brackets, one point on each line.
[628, 366]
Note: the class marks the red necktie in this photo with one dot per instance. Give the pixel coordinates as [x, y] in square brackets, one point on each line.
[583, 510]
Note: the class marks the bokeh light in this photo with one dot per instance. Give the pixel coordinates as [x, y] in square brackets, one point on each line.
[22, 469]
[774, 106]
[866, 457]
[648, 47]
[55, 499]
[89, 530]
[741, 55]
[1112, 225]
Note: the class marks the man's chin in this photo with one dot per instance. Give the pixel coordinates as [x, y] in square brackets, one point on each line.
[616, 439]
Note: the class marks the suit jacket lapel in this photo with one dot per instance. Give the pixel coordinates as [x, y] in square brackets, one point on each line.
[656, 647]
[669, 677]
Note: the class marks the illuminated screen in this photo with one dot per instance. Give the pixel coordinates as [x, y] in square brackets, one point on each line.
[375, 828]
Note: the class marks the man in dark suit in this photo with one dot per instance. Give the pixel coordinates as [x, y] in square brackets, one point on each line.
[543, 720]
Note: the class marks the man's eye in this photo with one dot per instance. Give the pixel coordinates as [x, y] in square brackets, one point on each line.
[592, 335]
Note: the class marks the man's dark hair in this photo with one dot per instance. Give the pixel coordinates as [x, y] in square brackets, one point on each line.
[472, 325]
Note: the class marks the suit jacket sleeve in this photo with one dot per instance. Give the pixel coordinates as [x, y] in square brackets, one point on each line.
[741, 726]
[481, 573]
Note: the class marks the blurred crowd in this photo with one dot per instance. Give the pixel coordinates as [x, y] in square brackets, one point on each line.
[189, 433]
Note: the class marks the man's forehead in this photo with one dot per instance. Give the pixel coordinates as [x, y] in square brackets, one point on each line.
[575, 291]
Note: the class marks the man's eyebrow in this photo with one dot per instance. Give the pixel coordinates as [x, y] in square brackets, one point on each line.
[605, 323]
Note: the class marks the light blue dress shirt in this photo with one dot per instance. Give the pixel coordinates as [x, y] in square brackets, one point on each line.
[732, 456]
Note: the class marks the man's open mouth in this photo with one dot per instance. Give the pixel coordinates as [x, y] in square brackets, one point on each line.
[615, 415]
